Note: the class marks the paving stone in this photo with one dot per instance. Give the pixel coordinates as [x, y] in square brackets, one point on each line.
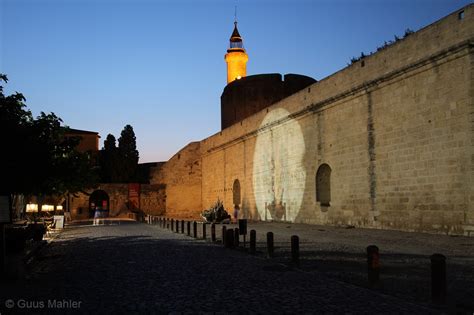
[141, 268]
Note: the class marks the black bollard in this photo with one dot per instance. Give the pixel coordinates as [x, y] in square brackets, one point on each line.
[224, 232]
[373, 265]
[213, 232]
[236, 237]
[195, 229]
[438, 278]
[253, 241]
[204, 230]
[172, 225]
[177, 226]
[182, 226]
[229, 238]
[295, 250]
[188, 228]
[270, 248]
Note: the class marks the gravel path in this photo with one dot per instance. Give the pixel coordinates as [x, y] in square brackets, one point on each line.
[139, 268]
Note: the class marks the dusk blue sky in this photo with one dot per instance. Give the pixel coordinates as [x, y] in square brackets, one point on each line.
[159, 65]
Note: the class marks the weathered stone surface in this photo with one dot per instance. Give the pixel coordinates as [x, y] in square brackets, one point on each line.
[396, 130]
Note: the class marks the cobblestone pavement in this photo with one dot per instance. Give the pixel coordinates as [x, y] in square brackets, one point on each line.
[139, 268]
[340, 253]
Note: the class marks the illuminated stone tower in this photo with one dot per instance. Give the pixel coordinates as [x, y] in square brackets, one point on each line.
[236, 57]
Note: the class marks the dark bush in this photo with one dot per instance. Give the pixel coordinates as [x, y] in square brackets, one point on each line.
[15, 238]
[36, 230]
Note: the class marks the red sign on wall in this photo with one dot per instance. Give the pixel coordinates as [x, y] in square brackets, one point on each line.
[134, 195]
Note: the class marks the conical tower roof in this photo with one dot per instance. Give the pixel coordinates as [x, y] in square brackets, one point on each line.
[235, 37]
[236, 43]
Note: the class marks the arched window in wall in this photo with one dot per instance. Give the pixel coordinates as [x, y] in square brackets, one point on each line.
[323, 185]
[236, 192]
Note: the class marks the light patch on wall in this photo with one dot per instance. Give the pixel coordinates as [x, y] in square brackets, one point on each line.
[278, 171]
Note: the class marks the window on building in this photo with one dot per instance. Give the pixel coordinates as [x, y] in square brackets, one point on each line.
[323, 185]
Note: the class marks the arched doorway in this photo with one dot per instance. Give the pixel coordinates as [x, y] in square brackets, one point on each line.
[99, 201]
[236, 193]
[236, 199]
[323, 185]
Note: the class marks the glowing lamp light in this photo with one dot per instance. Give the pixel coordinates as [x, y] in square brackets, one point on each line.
[59, 208]
[32, 207]
[47, 208]
[239, 77]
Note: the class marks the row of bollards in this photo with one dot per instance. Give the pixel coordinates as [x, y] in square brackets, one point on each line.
[231, 238]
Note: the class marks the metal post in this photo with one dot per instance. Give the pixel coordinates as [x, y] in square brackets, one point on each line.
[195, 229]
[204, 230]
[373, 265]
[236, 237]
[224, 232]
[438, 278]
[229, 238]
[253, 241]
[182, 226]
[295, 250]
[270, 249]
[188, 228]
[213, 232]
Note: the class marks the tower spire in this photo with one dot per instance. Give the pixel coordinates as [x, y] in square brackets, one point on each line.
[236, 56]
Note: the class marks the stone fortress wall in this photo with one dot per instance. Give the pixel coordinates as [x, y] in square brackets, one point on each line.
[182, 177]
[387, 142]
[152, 200]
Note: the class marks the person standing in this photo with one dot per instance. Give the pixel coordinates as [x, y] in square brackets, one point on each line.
[236, 213]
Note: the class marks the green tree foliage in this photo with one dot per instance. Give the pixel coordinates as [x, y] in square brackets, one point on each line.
[119, 164]
[36, 156]
[109, 161]
[127, 147]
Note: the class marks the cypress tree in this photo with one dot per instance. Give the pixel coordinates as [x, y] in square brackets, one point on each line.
[127, 148]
